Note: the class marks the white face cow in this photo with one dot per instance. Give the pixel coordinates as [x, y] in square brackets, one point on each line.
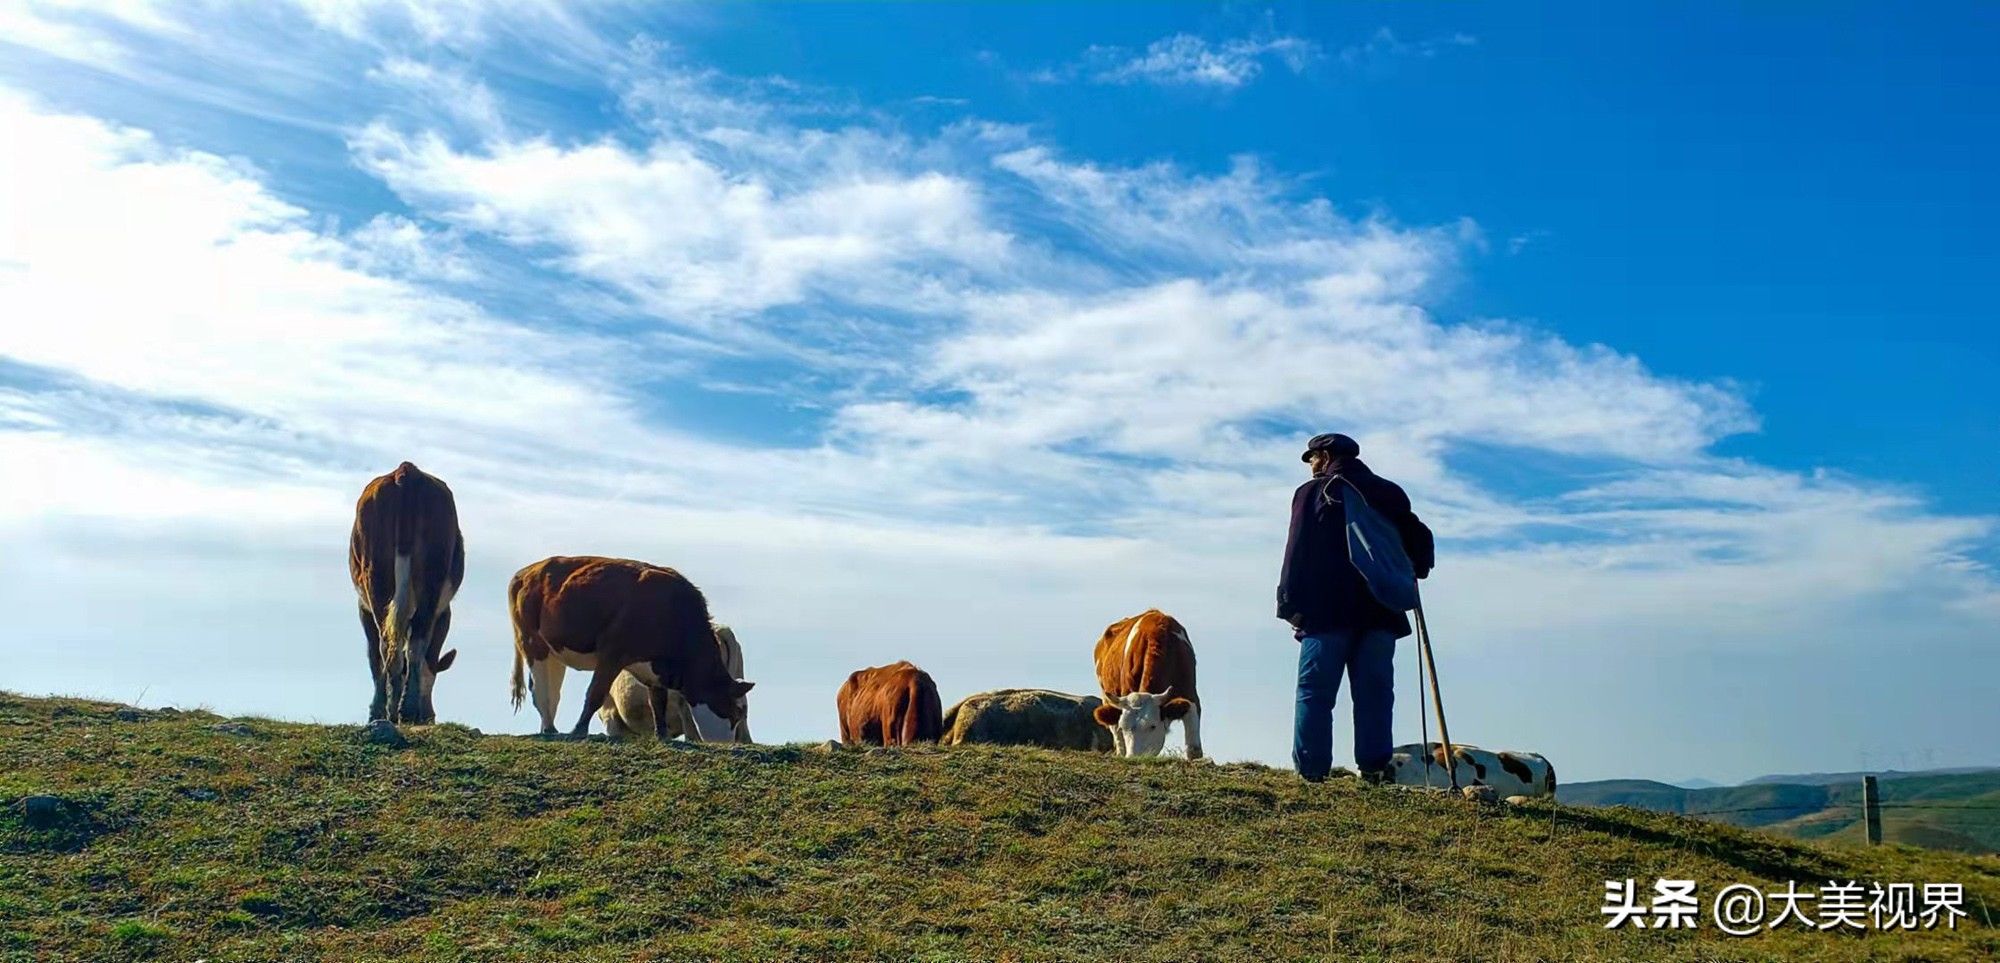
[1138, 721]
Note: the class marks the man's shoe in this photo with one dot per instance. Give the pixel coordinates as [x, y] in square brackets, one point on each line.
[1373, 777]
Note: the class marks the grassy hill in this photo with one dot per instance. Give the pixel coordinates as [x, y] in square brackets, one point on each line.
[1946, 810]
[181, 836]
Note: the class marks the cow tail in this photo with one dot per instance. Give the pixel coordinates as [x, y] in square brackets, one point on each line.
[934, 711]
[396, 624]
[519, 690]
[922, 720]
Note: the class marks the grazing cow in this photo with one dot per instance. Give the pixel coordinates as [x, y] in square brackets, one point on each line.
[889, 705]
[1027, 717]
[628, 714]
[1146, 666]
[607, 615]
[407, 558]
[1508, 773]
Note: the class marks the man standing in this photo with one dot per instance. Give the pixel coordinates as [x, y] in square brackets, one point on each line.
[1340, 625]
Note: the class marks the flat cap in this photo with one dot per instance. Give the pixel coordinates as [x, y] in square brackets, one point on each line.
[1339, 445]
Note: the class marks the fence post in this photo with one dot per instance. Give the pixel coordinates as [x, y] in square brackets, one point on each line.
[1871, 809]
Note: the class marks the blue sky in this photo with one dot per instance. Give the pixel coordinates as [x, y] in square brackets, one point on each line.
[957, 332]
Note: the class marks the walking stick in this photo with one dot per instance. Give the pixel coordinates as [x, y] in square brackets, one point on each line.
[1429, 661]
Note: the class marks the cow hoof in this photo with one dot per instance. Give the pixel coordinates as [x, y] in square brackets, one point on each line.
[1519, 800]
[1480, 794]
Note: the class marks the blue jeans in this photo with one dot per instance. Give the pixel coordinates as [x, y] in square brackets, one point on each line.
[1368, 659]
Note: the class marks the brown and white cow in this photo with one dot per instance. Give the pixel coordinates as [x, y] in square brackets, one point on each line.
[608, 615]
[1145, 664]
[1509, 773]
[407, 558]
[629, 714]
[889, 705]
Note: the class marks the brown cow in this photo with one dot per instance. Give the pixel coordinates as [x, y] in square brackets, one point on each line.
[890, 705]
[608, 615]
[1145, 665]
[407, 558]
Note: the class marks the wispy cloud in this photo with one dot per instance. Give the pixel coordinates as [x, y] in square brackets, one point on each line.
[1384, 44]
[1186, 60]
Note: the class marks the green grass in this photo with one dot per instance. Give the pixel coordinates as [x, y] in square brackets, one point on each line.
[300, 842]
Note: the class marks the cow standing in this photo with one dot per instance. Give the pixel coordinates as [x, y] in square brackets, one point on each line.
[629, 714]
[609, 615]
[407, 558]
[1145, 665]
[889, 705]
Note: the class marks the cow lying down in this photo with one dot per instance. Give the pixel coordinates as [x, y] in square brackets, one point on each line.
[1508, 773]
[1027, 717]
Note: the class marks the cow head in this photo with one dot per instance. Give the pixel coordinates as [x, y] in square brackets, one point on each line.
[720, 713]
[413, 675]
[1138, 720]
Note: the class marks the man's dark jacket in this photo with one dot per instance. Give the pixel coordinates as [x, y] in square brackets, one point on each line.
[1320, 590]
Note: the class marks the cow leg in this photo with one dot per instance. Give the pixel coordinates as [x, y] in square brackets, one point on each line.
[680, 716]
[1191, 732]
[439, 629]
[545, 678]
[378, 708]
[659, 698]
[593, 697]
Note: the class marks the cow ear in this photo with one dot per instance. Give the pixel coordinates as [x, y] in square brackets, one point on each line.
[1106, 714]
[739, 687]
[444, 661]
[1175, 708]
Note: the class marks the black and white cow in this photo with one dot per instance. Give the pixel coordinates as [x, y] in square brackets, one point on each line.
[1509, 773]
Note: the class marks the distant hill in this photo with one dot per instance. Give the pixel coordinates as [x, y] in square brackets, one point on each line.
[177, 836]
[1833, 778]
[1945, 809]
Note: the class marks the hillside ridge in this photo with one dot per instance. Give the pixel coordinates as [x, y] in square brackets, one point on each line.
[177, 835]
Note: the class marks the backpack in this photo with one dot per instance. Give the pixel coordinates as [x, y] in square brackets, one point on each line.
[1376, 549]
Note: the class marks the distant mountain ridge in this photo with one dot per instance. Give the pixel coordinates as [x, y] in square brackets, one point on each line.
[1831, 778]
[1956, 809]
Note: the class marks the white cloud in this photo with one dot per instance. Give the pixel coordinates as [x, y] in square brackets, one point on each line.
[81, 30]
[689, 238]
[1188, 60]
[1191, 61]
